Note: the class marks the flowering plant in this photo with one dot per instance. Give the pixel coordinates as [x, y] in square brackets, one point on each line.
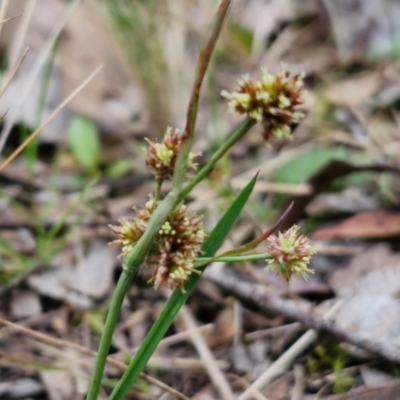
[170, 238]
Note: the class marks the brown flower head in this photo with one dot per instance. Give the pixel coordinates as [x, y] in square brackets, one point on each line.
[291, 253]
[175, 249]
[274, 101]
[131, 230]
[161, 157]
[179, 243]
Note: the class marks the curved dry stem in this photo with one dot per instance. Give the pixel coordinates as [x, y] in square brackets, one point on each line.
[202, 64]
[204, 60]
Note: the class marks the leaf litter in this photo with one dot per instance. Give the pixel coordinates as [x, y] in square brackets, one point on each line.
[66, 279]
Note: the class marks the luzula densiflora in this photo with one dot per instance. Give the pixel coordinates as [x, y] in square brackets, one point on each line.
[275, 102]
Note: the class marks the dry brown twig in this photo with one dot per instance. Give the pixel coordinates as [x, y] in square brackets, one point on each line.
[299, 382]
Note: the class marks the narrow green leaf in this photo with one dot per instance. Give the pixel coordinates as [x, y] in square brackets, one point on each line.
[120, 168]
[84, 141]
[177, 299]
[305, 164]
[225, 224]
[242, 37]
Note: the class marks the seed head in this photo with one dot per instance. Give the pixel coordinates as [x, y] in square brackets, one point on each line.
[161, 157]
[176, 245]
[274, 101]
[291, 253]
[131, 230]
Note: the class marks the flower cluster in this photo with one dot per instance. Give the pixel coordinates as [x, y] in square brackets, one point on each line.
[291, 253]
[161, 157]
[274, 101]
[130, 231]
[175, 248]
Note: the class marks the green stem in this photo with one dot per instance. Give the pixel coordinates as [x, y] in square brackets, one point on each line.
[157, 195]
[250, 257]
[112, 319]
[232, 139]
[152, 339]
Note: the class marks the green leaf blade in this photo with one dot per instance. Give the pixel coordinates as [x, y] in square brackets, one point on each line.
[225, 224]
[84, 142]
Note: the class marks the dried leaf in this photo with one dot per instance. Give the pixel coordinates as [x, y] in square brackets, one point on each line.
[366, 225]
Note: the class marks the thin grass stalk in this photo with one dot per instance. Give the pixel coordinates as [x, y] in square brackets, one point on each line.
[201, 68]
[204, 61]
[232, 259]
[31, 151]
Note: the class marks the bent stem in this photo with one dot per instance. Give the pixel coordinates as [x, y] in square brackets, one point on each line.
[112, 317]
[232, 139]
[202, 261]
